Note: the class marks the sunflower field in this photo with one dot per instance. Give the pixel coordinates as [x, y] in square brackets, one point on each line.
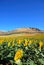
[22, 51]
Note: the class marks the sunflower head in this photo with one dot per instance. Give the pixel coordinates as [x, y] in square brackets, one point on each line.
[25, 42]
[19, 54]
[40, 44]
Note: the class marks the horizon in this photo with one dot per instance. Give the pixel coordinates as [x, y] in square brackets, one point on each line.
[21, 13]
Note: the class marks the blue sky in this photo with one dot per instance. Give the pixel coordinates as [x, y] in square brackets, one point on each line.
[21, 13]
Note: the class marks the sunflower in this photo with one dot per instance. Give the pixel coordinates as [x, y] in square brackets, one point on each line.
[13, 43]
[18, 55]
[1, 41]
[19, 42]
[25, 42]
[8, 44]
[30, 41]
[40, 44]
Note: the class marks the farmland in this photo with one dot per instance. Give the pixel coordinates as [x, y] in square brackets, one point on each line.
[22, 49]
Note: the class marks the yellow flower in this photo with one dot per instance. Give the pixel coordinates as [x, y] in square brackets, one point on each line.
[25, 42]
[8, 44]
[40, 44]
[18, 54]
[12, 43]
[18, 41]
[30, 41]
[1, 41]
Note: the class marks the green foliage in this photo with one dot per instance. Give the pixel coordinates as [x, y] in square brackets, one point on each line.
[32, 55]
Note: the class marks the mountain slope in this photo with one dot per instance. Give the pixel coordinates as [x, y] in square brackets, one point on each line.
[22, 30]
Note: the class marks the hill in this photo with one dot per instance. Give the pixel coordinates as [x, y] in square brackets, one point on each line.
[22, 30]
